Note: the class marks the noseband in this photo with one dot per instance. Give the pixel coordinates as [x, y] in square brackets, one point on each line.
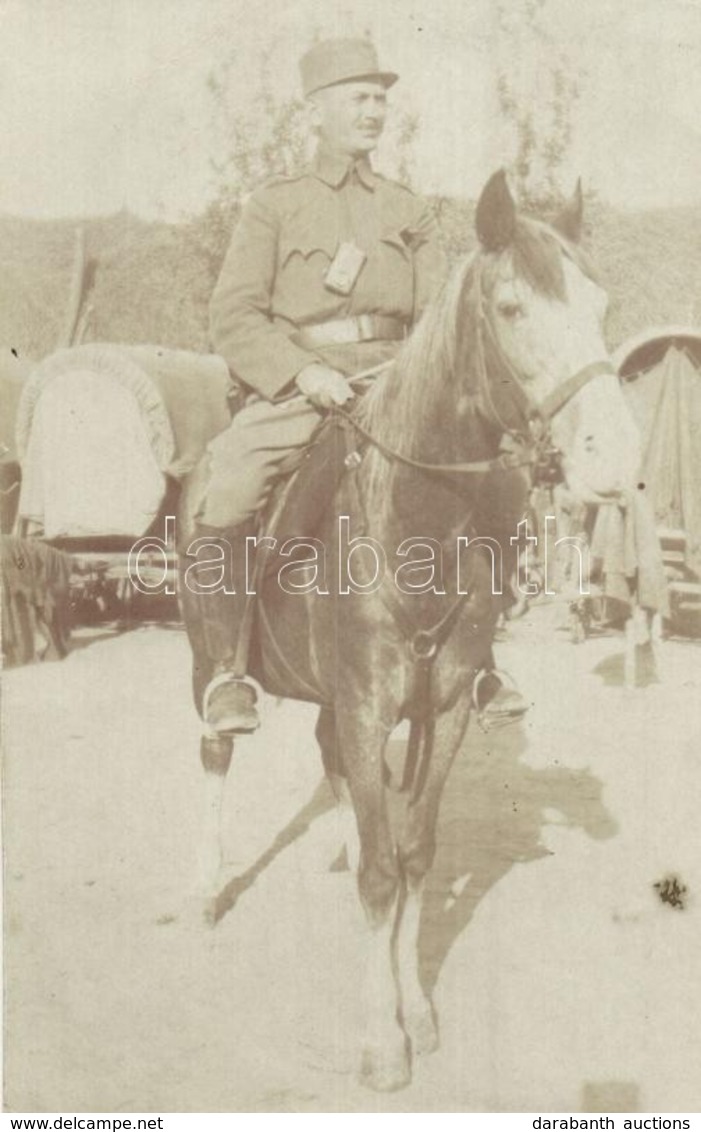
[532, 449]
[531, 433]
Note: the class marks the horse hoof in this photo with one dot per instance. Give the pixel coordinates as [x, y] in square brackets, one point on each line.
[198, 911]
[209, 912]
[384, 1070]
[422, 1032]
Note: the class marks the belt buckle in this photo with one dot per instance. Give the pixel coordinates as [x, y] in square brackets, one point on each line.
[365, 328]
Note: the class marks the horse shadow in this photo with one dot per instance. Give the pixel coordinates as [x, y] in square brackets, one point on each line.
[493, 813]
[611, 669]
[321, 801]
[494, 810]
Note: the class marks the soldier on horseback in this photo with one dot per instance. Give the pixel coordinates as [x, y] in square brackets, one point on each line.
[326, 274]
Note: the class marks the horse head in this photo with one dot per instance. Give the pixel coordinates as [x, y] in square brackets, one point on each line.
[539, 313]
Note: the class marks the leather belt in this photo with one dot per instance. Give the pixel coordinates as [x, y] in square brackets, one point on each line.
[345, 331]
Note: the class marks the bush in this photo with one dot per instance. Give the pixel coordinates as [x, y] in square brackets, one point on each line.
[152, 281]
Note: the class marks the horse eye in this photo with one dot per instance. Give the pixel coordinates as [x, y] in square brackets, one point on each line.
[511, 311]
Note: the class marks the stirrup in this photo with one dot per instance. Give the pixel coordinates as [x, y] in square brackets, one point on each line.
[491, 714]
[239, 715]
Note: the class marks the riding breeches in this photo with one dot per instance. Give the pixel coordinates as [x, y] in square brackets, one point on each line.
[264, 440]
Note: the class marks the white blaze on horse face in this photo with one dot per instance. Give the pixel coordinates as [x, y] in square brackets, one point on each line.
[599, 441]
[547, 341]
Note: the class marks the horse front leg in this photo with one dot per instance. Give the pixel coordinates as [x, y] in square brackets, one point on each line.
[417, 846]
[215, 755]
[384, 1058]
[327, 738]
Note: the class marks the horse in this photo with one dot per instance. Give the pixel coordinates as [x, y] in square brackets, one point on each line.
[512, 347]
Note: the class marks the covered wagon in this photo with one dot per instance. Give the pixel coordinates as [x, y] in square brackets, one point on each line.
[105, 433]
[661, 373]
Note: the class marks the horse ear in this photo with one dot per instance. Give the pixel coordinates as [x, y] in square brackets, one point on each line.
[569, 221]
[495, 219]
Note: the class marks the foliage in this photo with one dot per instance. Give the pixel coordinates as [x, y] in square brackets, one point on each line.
[537, 88]
[406, 131]
[268, 136]
[266, 139]
[153, 280]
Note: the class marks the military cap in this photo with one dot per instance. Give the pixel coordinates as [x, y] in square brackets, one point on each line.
[334, 61]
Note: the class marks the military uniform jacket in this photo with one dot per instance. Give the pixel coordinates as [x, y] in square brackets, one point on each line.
[272, 281]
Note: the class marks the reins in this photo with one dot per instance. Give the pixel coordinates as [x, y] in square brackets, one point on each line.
[425, 644]
[533, 421]
[502, 463]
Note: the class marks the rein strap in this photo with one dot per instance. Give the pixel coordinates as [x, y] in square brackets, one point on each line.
[570, 388]
[505, 462]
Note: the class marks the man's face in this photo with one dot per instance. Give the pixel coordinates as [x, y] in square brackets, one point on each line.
[350, 117]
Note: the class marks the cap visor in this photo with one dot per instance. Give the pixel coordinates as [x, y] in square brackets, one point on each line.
[386, 78]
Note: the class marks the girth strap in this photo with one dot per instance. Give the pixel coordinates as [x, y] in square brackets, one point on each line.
[424, 645]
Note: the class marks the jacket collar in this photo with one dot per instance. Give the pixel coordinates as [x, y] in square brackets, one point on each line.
[335, 168]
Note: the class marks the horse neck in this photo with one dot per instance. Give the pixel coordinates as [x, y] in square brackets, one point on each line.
[430, 406]
[428, 423]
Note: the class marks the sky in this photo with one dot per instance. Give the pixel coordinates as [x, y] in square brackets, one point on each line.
[105, 104]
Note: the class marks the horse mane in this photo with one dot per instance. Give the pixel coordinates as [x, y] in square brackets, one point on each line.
[441, 358]
[395, 404]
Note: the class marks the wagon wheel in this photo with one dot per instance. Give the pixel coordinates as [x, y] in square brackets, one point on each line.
[126, 600]
[93, 596]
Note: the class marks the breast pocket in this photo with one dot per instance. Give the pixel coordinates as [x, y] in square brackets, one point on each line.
[396, 239]
[389, 276]
[303, 261]
[307, 243]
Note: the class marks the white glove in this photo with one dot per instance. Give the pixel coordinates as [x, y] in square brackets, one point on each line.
[323, 386]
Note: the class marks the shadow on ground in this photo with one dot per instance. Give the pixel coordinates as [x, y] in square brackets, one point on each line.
[494, 809]
[493, 813]
[319, 804]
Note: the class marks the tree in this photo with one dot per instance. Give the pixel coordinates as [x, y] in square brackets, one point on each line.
[254, 141]
[269, 137]
[266, 136]
[537, 88]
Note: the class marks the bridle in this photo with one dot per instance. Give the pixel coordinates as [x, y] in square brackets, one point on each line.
[531, 445]
[532, 449]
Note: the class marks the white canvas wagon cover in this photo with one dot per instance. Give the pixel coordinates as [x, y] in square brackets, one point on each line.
[100, 426]
[661, 371]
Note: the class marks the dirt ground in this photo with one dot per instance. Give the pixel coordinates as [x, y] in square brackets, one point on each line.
[561, 979]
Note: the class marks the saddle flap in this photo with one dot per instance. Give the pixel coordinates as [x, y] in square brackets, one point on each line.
[300, 503]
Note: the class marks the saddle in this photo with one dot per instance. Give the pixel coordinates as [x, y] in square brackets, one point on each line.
[301, 500]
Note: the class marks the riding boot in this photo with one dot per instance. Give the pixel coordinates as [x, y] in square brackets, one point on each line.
[224, 622]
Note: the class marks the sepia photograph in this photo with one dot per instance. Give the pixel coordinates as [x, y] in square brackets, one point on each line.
[350, 397]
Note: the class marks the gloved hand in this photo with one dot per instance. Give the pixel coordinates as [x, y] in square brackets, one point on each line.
[323, 386]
